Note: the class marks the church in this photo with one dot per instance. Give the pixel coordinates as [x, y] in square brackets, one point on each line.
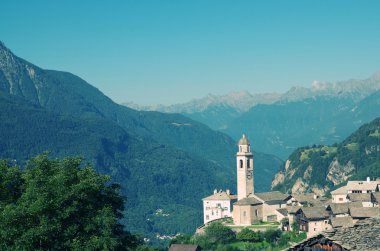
[247, 207]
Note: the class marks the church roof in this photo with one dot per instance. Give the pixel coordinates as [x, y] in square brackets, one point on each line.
[274, 196]
[248, 201]
[243, 140]
[221, 196]
[282, 211]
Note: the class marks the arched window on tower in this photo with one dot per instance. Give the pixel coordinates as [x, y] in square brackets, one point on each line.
[241, 163]
[247, 163]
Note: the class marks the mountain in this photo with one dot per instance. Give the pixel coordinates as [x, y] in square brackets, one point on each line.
[282, 127]
[320, 168]
[164, 162]
[216, 111]
[279, 123]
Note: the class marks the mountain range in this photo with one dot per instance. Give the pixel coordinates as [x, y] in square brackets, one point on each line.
[280, 123]
[165, 163]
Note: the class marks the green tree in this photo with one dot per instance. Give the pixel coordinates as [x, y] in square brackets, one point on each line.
[57, 205]
[295, 226]
[216, 232]
[248, 235]
[272, 235]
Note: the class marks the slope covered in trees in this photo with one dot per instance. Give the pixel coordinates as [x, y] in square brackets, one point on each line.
[164, 163]
[320, 168]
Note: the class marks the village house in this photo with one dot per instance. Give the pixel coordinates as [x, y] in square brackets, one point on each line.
[218, 205]
[342, 209]
[308, 200]
[364, 198]
[313, 220]
[359, 213]
[363, 235]
[354, 187]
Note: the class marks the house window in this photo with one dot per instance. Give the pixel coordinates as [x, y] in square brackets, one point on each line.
[212, 213]
[315, 229]
[218, 204]
[207, 217]
[241, 163]
[340, 199]
[257, 212]
[247, 163]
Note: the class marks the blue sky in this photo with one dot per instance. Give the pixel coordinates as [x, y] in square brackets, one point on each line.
[168, 52]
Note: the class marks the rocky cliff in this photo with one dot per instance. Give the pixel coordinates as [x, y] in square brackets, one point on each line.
[319, 168]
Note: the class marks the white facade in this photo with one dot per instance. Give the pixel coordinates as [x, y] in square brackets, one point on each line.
[217, 206]
[244, 169]
[339, 198]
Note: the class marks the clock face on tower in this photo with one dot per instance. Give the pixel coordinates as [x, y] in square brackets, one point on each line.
[249, 174]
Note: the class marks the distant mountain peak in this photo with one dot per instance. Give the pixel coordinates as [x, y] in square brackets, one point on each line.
[376, 76]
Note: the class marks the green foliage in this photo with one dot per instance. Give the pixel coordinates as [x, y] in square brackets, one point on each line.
[59, 206]
[249, 236]
[181, 239]
[360, 149]
[272, 235]
[295, 226]
[216, 232]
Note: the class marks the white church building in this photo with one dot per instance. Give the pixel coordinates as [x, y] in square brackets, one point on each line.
[246, 207]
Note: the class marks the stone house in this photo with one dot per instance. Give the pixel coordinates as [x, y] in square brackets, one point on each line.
[364, 198]
[354, 187]
[313, 220]
[218, 205]
[308, 200]
[363, 235]
[339, 195]
[359, 213]
[345, 221]
[342, 209]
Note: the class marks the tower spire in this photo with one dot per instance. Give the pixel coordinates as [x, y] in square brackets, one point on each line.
[244, 162]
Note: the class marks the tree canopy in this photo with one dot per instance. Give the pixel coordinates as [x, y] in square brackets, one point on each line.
[57, 205]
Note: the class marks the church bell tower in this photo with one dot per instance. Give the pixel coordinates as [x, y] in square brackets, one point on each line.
[244, 162]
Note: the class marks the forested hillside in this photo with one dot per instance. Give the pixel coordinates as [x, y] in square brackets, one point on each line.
[320, 168]
[164, 163]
